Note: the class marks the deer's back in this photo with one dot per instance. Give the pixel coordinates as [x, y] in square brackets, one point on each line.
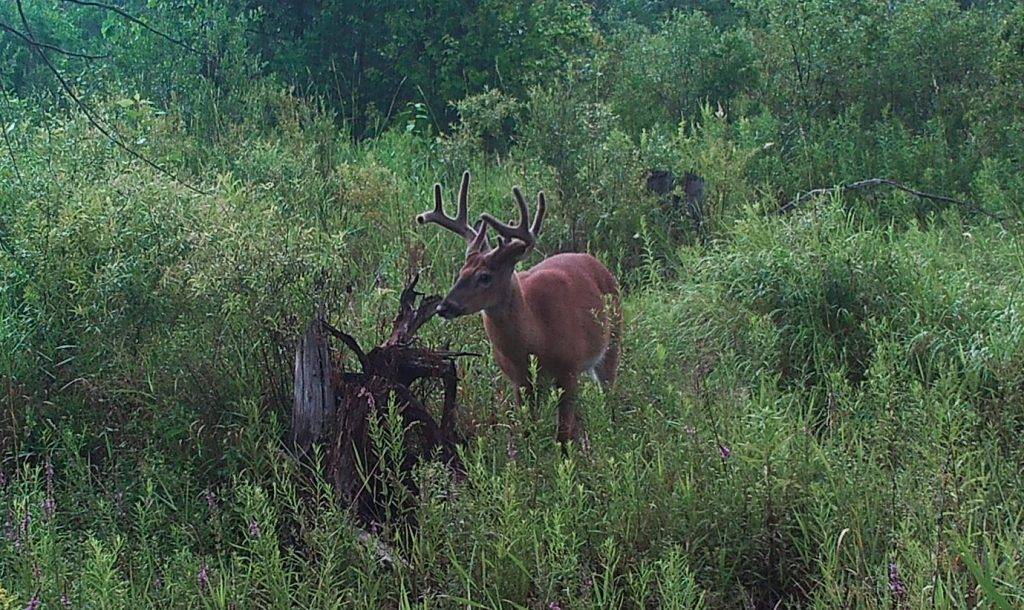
[569, 296]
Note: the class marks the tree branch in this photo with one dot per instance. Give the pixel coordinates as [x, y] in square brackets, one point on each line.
[5, 245]
[120, 11]
[874, 182]
[35, 43]
[91, 115]
[10, 148]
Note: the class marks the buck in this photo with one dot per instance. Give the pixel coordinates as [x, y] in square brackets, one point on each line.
[564, 311]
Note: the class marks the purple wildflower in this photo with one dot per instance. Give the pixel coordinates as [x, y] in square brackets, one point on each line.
[203, 578]
[211, 500]
[49, 504]
[254, 529]
[896, 584]
[158, 583]
[23, 530]
[65, 601]
[724, 450]
[34, 603]
[554, 606]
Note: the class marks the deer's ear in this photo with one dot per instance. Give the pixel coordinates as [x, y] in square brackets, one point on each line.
[510, 252]
[480, 244]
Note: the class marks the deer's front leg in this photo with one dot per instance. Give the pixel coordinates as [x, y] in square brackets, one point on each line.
[568, 425]
[518, 374]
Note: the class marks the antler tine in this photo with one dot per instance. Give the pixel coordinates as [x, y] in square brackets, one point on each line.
[463, 213]
[460, 223]
[542, 206]
[520, 231]
[479, 243]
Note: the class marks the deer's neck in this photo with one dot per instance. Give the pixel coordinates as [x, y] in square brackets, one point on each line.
[509, 325]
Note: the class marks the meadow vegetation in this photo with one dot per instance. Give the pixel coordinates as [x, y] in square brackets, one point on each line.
[816, 409]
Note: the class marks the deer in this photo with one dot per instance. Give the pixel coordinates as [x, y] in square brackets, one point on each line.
[565, 311]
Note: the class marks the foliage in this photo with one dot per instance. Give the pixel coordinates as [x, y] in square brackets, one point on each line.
[818, 409]
[668, 75]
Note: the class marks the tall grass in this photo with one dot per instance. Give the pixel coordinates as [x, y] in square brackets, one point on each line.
[818, 410]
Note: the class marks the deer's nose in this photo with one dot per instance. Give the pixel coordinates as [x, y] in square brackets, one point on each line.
[448, 310]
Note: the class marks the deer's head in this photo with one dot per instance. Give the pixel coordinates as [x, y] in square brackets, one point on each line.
[485, 279]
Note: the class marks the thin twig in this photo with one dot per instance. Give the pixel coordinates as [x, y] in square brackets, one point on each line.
[5, 245]
[10, 147]
[120, 11]
[873, 182]
[35, 43]
[91, 115]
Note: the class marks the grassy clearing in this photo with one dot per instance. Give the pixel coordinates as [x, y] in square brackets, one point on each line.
[822, 409]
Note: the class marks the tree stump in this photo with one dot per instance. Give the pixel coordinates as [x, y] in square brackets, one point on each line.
[335, 407]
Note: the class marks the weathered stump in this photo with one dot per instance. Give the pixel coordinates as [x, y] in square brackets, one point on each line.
[665, 185]
[335, 407]
[314, 387]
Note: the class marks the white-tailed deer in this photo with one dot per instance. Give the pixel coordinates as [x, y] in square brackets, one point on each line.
[564, 311]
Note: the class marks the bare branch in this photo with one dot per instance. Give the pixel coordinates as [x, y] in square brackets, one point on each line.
[874, 182]
[120, 11]
[10, 148]
[91, 114]
[5, 245]
[34, 43]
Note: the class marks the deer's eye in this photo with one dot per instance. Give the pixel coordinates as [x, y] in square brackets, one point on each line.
[484, 279]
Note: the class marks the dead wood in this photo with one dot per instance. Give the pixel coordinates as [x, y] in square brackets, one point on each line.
[399, 374]
[877, 182]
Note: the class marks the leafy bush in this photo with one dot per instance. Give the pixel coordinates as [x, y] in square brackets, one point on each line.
[663, 77]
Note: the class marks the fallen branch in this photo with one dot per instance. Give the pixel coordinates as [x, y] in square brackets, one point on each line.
[875, 182]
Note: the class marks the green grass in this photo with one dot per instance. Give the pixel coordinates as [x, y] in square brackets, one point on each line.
[804, 403]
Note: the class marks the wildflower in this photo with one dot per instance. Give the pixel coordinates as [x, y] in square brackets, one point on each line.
[65, 601]
[554, 606]
[34, 603]
[203, 578]
[49, 507]
[22, 533]
[724, 450]
[254, 529]
[49, 504]
[211, 500]
[896, 584]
